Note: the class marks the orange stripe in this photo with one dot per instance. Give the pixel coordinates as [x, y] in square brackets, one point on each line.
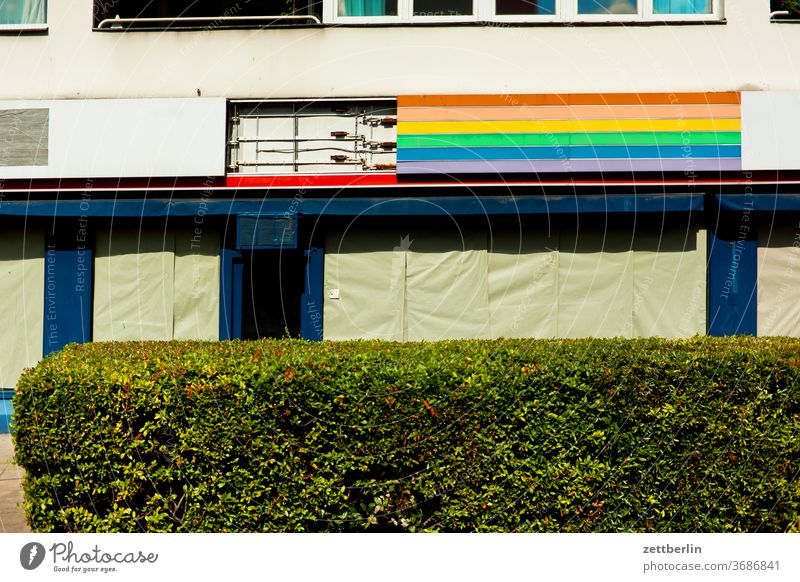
[729, 98]
[576, 112]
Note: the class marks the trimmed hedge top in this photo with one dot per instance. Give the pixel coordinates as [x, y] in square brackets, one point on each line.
[533, 436]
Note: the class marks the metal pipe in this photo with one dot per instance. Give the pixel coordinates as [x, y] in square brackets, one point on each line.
[113, 23]
[290, 115]
[772, 15]
[289, 164]
[320, 100]
[375, 152]
[300, 139]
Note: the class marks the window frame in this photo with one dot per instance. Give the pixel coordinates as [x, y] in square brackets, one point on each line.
[39, 27]
[572, 14]
[23, 27]
[404, 15]
[492, 15]
[485, 11]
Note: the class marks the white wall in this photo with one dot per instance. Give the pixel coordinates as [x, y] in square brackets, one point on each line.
[74, 62]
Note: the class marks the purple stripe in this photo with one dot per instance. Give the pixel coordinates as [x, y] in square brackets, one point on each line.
[571, 165]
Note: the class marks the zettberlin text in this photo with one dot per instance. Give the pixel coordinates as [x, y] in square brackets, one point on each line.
[668, 549]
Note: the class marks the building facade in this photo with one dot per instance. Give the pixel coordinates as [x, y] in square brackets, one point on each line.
[396, 169]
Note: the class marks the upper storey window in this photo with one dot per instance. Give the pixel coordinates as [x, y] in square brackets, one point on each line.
[23, 14]
[204, 14]
[366, 11]
[784, 10]
[213, 14]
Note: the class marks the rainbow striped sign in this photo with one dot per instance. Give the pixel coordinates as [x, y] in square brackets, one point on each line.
[625, 132]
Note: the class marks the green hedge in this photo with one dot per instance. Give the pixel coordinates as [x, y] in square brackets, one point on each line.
[530, 436]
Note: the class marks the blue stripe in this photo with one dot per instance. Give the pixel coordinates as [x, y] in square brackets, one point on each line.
[568, 152]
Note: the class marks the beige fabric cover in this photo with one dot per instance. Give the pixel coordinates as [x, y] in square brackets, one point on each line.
[21, 301]
[595, 284]
[523, 284]
[599, 284]
[778, 310]
[670, 283]
[564, 283]
[368, 268]
[447, 293]
[151, 285]
[134, 285]
[197, 280]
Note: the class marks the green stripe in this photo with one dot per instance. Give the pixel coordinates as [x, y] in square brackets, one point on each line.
[568, 139]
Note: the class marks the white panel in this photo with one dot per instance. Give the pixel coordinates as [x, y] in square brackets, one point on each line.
[134, 285]
[779, 281]
[125, 138]
[770, 130]
[21, 301]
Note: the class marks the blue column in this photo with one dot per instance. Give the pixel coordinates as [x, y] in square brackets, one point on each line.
[230, 300]
[311, 301]
[67, 293]
[732, 279]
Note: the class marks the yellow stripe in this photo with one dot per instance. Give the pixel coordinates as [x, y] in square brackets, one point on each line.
[569, 126]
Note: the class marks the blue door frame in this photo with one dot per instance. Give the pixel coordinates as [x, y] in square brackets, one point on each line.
[232, 288]
[311, 301]
[230, 301]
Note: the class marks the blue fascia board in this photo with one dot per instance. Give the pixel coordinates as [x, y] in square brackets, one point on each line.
[759, 202]
[433, 206]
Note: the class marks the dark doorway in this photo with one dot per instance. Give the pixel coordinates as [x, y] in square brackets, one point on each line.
[273, 283]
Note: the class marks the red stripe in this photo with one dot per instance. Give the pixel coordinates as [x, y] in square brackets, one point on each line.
[330, 180]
